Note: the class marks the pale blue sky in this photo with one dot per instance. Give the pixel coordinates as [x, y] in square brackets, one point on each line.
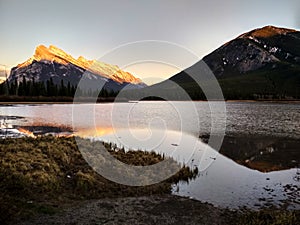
[93, 27]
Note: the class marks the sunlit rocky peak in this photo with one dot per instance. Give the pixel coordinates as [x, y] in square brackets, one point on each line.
[54, 54]
[267, 31]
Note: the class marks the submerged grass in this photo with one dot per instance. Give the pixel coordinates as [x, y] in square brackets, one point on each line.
[40, 175]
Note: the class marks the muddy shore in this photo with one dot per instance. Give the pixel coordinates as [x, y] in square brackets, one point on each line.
[156, 209]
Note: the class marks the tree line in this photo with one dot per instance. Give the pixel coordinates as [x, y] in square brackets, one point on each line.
[32, 88]
[48, 89]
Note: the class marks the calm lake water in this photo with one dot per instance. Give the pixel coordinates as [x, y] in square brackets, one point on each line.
[173, 128]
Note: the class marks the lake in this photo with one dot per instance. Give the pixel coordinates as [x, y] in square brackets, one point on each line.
[255, 133]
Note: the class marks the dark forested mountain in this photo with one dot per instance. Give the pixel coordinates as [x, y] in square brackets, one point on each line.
[263, 63]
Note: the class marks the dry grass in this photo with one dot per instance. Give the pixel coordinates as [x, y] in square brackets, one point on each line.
[40, 175]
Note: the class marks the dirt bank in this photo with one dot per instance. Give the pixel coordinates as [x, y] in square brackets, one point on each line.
[156, 209]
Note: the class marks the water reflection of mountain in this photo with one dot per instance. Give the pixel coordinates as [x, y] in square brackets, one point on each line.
[261, 152]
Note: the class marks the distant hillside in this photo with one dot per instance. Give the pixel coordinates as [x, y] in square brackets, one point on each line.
[261, 64]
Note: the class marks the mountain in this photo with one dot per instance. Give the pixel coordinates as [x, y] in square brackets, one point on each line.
[56, 64]
[265, 47]
[263, 63]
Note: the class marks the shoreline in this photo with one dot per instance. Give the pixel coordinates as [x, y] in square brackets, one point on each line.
[151, 209]
[129, 101]
[163, 209]
[78, 206]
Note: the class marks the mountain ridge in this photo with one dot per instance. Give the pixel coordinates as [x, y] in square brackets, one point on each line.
[260, 64]
[267, 31]
[263, 63]
[54, 54]
[253, 50]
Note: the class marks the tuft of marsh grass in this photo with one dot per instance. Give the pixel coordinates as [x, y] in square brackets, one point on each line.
[38, 175]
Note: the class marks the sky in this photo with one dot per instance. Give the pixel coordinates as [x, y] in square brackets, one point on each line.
[93, 28]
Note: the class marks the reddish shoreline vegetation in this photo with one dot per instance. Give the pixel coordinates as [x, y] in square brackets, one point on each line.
[46, 180]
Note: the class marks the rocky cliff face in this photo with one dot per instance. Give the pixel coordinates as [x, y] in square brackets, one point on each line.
[267, 46]
[56, 64]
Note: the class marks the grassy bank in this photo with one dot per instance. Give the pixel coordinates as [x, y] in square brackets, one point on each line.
[47, 179]
[42, 175]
